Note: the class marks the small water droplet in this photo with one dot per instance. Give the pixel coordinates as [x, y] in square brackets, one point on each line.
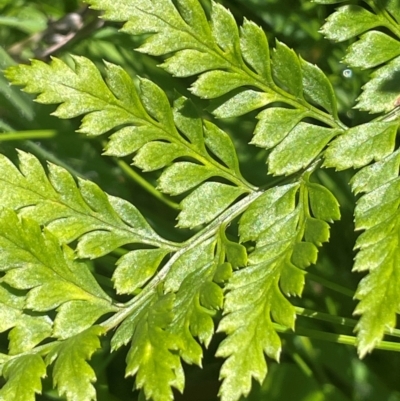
[347, 73]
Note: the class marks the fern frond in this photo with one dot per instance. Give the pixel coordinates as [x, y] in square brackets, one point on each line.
[34, 261]
[176, 289]
[378, 214]
[362, 144]
[72, 375]
[377, 211]
[235, 63]
[191, 276]
[158, 134]
[372, 49]
[286, 236]
[151, 357]
[23, 376]
[102, 223]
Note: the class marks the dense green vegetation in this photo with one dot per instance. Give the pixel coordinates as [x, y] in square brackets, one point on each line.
[213, 216]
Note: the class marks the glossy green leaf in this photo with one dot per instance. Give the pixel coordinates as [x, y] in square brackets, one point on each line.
[156, 155]
[72, 375]
[243, 103]
[317, 87]
[247, 338]
[299, 148]
[187, 120]
[224, 28]
[223, 273]
[188, 62]
[156, 102]
[349, 21]
[51, 299]
[304, 254]
[274, 125]
[146, 122]
[34, 261]
[373, 48]
[236, 254]
[286, 69]
[255, 49]
[203, 255]
[182, 176]
[377, 174]
[23, 375]
[135, 268]
[316, 231]
[278, 201]
[276, 222]
[74, 317]
[11, 306]
[192, 314]
[193, 14]
[377, 212]
[206, 203]
[323, 204]
[361, 144]
[150, 357]
[69, 210]
[29, 331]
[221, 145]
[213, 84]
[381, 93]
[128, 140]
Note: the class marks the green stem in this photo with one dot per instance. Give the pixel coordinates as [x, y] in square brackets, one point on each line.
[27, 135]
[302, 364]
[193, 242]
[145, 185]
[342, 321]
[335, 338]
[329, 284]
[387, 20]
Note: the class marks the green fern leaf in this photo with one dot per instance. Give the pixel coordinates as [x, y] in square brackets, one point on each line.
[286, 69]
[255, 50]
[373, 48]
[72, 375]
[196, 301]
[34, 261]
[11, 306]
[317, 87]
[362, 144]
[375, 97]
[146, 262]
[177, 289]
[255, 292]
[100, 222]
[152, 357]
[299, 148]
[29, 332]
[377, 212]
[23, 375]
[234, 65]
[197, 207]
[154, 122]
[191, 274]
[349, 21]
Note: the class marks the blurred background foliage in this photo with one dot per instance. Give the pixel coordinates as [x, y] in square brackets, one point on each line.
[310, 369]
